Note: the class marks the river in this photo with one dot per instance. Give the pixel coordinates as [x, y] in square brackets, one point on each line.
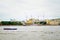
[30, 33]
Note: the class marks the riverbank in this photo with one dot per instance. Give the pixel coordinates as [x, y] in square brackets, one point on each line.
[29, 25]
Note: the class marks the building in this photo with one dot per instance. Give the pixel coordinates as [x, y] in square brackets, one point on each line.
[47, 21]
[31, 21]
[55, 22]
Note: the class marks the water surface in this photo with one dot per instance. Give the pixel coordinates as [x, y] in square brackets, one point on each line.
[30, 33]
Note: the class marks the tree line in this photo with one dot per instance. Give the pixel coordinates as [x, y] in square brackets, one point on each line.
[10, 23]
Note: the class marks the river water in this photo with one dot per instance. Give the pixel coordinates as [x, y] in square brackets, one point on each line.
[30, 33]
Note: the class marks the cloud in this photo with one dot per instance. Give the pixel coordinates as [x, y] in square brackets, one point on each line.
[19, 9]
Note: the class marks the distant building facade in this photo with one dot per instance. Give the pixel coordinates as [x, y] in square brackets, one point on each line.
[55, 22]
[32, 21]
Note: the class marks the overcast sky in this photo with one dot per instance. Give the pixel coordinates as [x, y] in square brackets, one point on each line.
[22, 9]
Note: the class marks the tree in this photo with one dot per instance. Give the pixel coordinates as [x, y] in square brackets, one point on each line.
[43, 23]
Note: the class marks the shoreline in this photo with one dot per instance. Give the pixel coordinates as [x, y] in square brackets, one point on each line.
[29, 25]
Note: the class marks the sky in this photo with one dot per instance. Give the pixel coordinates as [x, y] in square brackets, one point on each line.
[25, 9]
